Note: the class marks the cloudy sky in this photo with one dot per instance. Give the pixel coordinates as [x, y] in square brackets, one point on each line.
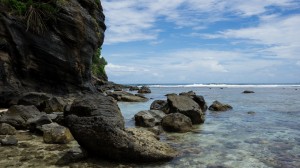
[202, 41]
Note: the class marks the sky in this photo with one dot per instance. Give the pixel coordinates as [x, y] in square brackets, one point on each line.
[202, 41]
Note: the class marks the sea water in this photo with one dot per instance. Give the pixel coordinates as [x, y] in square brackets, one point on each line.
[262, 130]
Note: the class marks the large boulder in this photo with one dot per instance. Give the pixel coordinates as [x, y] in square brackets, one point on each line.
[144, 89]
[18, 116]
[149, 118]
[127, 97]
[36, 124]
[176, 122]
[56, 134]
[218, 106]
[98, 126]
[187, 106]
[197, 98]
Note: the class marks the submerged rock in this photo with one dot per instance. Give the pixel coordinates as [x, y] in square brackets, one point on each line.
[18, 115]
[248, 91]
[98, 126]
[217, 106]
[6, 129]
[56, 134]
[187, 106]
[176, 122]
[149, 118]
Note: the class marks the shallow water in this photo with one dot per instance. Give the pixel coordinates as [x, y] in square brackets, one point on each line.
[268, 138]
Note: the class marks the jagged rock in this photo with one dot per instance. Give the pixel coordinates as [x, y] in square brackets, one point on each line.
[144, 89]
[74, 155]
[248, 91]
[187, 106]
[6, 129]
[36, 124]
[158, 105]
[56, 134]
[9, 140]
[55, 104]
[59, 58]
[33, 98]
[149, 118]
[217, 106]
[57, 117]
[197, 98]
[133, 88]
[98, 126]
[18, 115]
[176, 122]
[126, 97]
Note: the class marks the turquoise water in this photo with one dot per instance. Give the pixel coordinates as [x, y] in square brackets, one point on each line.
[268, 138]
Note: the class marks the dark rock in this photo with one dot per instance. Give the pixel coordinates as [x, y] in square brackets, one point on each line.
[248, 91]
[55, 104]
[98, 126]
[18, 115]
[170, 94]
[57, 117]
[189, 93]
[8, 97]
[33, 98]
[176, 122]
[56, 134]
[35, 124]
[144, 89]
[187, 106]
[76, 154]
[198, 99]
[9, 140]
[58, 59]
[251, 112]
[126, 97]
[158, 105]
[133, 88]
[6, 129]
[149, 118]
[217, 106]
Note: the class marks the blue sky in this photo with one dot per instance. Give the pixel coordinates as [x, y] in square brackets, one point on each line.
[202, 41]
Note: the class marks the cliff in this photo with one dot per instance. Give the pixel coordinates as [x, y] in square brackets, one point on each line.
[49, 44]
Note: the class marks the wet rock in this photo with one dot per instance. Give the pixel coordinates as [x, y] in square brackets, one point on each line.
[18, 115]
[36, 124]
[133, 88]
[144, 89]
[158, 105]
[56, 134]
[217, 106]
[149, 118]
[9, 140]
[127, 97]
[187, 106]
[248, 91]
[176, 122]
[73, 155]
[6, 129]
[98, 126]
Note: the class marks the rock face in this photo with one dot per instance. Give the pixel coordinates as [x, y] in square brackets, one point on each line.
[18, 116]
[187, 106]
[176, 122]
[98, 126]
[58, 59]
[148, 118]
[217, 106]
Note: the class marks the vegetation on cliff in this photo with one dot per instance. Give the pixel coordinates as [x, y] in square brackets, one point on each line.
[98, 66]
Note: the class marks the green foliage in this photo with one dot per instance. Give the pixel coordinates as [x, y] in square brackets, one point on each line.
[33, 13]
[98, 65]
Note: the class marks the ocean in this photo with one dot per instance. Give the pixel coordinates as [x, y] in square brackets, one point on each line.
[262, 130]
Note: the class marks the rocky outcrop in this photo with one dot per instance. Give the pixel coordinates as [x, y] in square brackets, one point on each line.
[176, 122]
[148, 118]
[187, 106]
[57, 59]
[97, 124]
[144, 89]
[218, 106]
[18, 116]
[127, 97]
